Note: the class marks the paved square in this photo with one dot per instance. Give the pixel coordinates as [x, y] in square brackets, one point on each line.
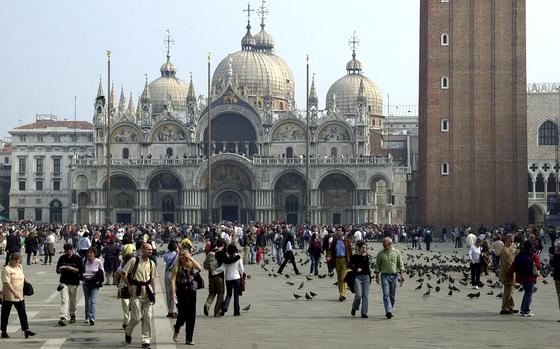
[277, 320]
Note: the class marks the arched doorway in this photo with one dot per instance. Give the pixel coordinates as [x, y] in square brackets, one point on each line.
[83, 201]
[55, 211]
[229, 205]
[536, 215]
[337, 193]
[289, 194]
[165, 197]
[122, 199]
[232, 191]
[380, 198]
[232, 133]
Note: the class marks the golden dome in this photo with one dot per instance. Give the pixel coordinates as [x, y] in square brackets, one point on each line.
[168, 87]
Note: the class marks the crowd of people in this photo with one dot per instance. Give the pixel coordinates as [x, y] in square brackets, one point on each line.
[126, 256]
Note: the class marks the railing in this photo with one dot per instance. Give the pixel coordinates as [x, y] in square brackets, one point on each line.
[268, 161]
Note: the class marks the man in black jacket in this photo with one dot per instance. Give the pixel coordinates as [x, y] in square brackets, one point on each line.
[13, 244]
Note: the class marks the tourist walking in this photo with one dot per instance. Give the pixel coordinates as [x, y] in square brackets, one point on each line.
[339, 254]
[12, 285]
[70, 267]
[170, 259]
[359, 263]
[93, 280]
[140, 276]
[233, 274]
[31, 244]
[315, 249]
[526, 267]
[475, 264]
[123, 295]
[49, 247]
[111, 261]
[184, 288]
[507, 255]
[388, 264]
[555, 264]
[288, 254]
[13, 244]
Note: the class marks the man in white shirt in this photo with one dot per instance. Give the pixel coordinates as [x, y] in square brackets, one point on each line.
[471, 239]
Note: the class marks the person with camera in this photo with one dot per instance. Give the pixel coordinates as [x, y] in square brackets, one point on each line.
[70, 268]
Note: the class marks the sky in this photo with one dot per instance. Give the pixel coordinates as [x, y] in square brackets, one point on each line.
[54, 50]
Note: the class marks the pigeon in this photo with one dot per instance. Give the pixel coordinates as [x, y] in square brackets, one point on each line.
[249, 276]
[438, 288]
[419, 287]
[275, 275]
[269, 274]
[297, 296]
[491, 293]
[471, 295]
[477, 295]
[313, 294]
[429, 286]
[287, 276]
[300, 286]
[308, 278]
[290, 283]
[247, 308]
[336, 283]
[427, 292]
[545, 282]
[322, 276]
[499, 295]
[450, 293]
[308, 297]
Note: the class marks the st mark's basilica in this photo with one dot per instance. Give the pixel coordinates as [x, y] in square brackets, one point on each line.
[159, 149]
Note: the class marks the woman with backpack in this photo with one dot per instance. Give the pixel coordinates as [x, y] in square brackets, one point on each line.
[526, 267]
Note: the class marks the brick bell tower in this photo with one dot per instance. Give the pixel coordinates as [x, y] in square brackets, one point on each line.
[473, 113]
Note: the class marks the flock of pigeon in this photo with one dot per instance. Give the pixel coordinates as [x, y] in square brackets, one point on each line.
[449, 273]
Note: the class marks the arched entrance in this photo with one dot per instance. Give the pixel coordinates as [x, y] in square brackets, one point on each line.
[380, 198]
[83, 200]
[289, 194]
[336, 195]
[55, 211]
[232, 133]
[164, 197]
[232, 192]
[229, 205]
[536, 215]
[122, 198]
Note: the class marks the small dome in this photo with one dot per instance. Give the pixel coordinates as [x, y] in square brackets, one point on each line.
[248, 40]
[264, 41]
[354, 66]
[168, 87]
[346, 90]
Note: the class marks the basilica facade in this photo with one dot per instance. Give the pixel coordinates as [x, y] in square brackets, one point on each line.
[159, 163]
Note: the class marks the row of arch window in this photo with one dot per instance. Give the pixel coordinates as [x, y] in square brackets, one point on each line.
[126, 153]
[540, 184]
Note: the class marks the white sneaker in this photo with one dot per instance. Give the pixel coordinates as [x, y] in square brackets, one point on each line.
[529, 315]
[475, 288]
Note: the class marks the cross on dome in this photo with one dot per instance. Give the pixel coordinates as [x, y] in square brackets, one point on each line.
[263, 12]
[354, 42]
[168, 41]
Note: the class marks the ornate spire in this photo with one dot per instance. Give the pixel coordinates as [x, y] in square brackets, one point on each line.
[112, 99]
[354, 66]
[313, 100]
[248, 40]
[361, 92]
[168, 69]
[168, 42]
[130, 109]
[263, 12]
[354, 42]
[100, 93]
[191, 96]
[146, 93]
[139, 109]
[122, 101]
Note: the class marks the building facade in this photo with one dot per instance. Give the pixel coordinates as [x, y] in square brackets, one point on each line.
[41, 154]
[543, 118]
[158, 167]
[473, 112]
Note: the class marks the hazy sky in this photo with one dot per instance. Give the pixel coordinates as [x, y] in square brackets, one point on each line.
[53, 50]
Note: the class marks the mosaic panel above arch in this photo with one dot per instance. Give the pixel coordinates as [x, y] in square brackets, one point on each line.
[334, 133]
[125, 134]
[169, 133]
[288, 132]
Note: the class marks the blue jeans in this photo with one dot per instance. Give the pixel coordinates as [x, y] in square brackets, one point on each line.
[232, 286]
[527, 297]
[361, 288]
[389, 286]
[252, 254]
[90, 297]
[314, 269]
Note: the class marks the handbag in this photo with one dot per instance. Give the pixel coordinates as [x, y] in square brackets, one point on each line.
[28, 288]
[124, 293]
[199, 281]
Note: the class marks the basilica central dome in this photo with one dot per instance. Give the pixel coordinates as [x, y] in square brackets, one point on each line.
[168, 88]
[258, 70]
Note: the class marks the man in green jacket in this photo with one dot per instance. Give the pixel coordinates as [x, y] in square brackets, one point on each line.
[388, 264]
